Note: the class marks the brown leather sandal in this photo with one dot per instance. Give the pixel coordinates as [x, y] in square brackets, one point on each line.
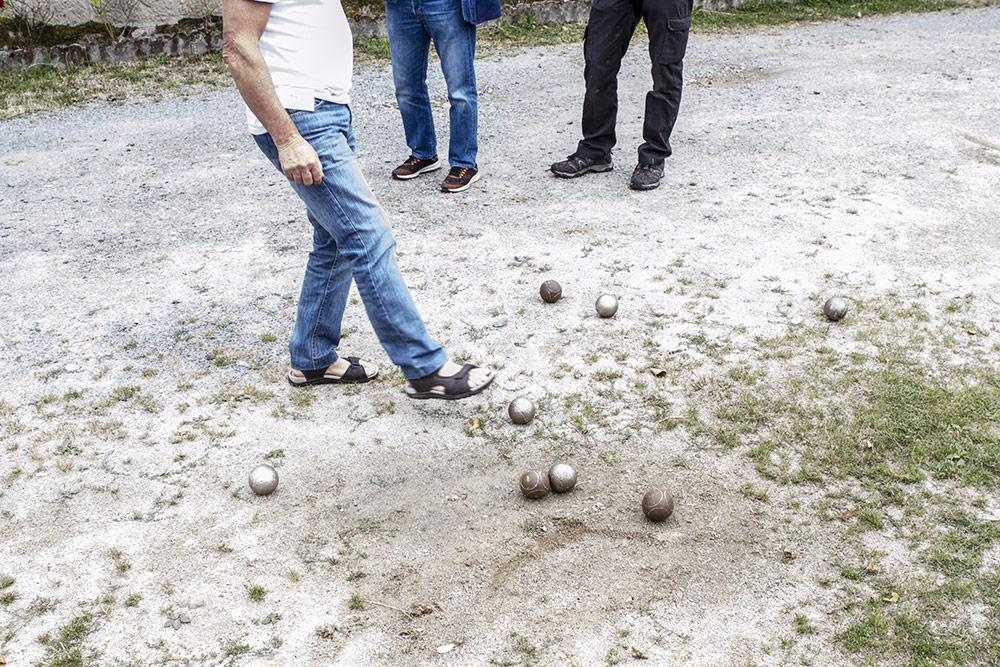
[455, 386]
[355, 374]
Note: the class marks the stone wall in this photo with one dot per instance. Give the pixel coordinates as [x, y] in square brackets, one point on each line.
[154, 12]
[98, 49]
[144, 12]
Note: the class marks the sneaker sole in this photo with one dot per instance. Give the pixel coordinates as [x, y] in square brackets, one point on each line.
[430, 167]
[644, 187]
[464, 187]
[596, 168]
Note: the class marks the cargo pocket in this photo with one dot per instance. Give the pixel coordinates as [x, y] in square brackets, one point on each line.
[674, 41]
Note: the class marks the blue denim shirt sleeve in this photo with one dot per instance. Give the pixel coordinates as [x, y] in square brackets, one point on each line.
[478, 11]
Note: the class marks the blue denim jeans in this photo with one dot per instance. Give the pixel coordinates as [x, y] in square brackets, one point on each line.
[412, 24]
[351, 239]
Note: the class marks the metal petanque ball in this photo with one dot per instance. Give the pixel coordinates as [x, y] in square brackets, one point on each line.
[521, 410]
[534, 484]
[562, 477]
[835, 308]
[606, 305]
[263, 479]
[657, 505]
[550, 291]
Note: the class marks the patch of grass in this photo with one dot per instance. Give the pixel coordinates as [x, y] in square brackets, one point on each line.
[802, 625]
[890, 425]
[121, 565]
[755, 14]
[371, 49]
[870, 517]
[130, 395]
[237, 649]
[357, 602]
[302, 398]
[904, 635]
[256, 593]
[959, 552]
[879, 426]
[529, 32]
[749, 491]
[45, 89]
[64, 650]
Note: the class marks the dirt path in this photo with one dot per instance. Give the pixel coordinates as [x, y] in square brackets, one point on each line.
[151, 260]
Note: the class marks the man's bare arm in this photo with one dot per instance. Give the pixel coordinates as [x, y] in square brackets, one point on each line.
[243, 22]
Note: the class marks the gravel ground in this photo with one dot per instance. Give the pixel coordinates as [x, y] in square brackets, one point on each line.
[151, 261]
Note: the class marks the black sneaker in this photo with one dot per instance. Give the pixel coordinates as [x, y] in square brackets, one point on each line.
[646, 176]
[414, 166]
[460, 179]
[577, 165]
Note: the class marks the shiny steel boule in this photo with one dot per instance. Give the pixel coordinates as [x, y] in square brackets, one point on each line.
[263, 479]
[562, 477]
[657, 505]
[606, 305]
[835, 308]
[550, 291]
[521, 410]
[534, 484]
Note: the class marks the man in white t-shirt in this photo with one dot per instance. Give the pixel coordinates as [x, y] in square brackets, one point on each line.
[292, 62]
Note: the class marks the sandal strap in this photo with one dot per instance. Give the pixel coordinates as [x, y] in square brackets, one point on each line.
[453, 384]
[314, 374]
[355, 371]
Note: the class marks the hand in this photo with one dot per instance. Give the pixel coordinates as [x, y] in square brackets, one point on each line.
[300, 163]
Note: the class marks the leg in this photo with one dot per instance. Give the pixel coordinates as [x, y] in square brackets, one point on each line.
[325, 286]
[609, 30]
[668, 22]
[409, 46]
[455, 42]
[345, 208]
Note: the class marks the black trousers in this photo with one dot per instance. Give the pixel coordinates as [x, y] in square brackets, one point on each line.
[609, 31]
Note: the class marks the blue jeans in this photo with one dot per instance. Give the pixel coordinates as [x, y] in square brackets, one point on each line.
[412, 24]
[351, 239]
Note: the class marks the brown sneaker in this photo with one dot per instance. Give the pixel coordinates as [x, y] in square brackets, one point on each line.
[414, 166]
[460, 179]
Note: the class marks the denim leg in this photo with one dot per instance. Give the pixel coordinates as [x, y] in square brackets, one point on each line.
[455, 43]
[345, 208]
[409, 46]
[325, 287]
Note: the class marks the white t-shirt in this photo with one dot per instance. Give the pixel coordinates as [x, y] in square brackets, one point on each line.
[308, 48]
